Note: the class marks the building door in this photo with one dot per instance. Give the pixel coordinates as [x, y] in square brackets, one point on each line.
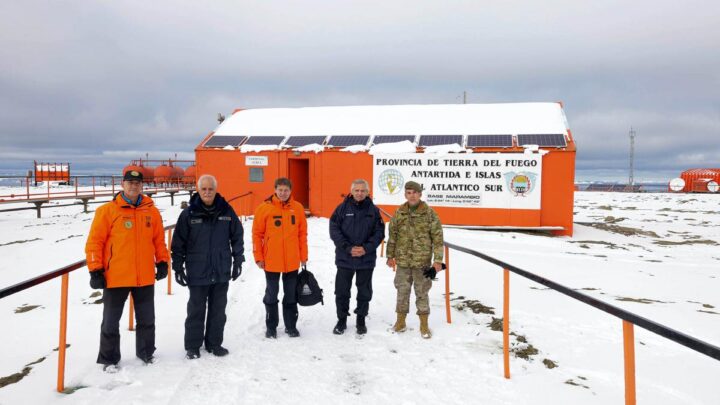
[298, 172]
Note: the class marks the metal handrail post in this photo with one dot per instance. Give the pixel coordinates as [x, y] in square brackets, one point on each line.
[169, 276]
[506, 322]
[447, 284]
[63, 333]
[131, 313]
[629, 354]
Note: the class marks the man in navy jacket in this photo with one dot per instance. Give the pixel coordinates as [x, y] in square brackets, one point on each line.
[207, 251]
[357, 229]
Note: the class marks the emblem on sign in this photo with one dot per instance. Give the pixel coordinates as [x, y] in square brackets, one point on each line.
[391, 181]
[520, 184]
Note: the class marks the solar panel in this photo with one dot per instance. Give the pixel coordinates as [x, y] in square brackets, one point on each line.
[296, 141]
[342, 141]
[392, 138]
[542, 140]
[220, 141]
[489, 141]
[265, 140]
[433, 140]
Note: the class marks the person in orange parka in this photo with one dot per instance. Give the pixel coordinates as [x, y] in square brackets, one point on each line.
[280, 246]
[125, 245]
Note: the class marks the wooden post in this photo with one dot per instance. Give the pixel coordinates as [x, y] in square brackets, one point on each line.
[131, 314]
[447, 284]
[629, 349]
[63, 333]
[506, 322]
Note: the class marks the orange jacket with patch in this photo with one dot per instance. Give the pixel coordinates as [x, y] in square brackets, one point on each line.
[126, 241]
[280, 235]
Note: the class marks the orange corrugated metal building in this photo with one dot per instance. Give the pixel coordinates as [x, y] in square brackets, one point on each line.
[481, 165]
[701, 180]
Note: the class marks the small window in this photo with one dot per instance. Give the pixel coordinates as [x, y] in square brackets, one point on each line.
[257, 175]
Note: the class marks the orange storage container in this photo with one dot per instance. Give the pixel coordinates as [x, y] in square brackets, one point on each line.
[163, 174]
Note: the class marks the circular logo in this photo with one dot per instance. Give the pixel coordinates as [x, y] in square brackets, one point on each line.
[134, 173]
[277, 222]
[128, 224]
[391, 181]
[520, 184]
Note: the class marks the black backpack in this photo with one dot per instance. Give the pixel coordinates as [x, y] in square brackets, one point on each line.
[309, 292]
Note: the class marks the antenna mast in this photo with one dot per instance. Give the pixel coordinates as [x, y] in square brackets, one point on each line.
[631, 181]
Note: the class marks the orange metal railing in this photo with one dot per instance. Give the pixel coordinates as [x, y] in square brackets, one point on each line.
[97, 186]
[629, 319]
[64, 272]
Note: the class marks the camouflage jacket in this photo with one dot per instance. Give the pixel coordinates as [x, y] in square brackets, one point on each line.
[415, 237]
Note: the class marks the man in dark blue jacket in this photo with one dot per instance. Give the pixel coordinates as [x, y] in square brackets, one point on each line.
[207, 251]
[357, 229]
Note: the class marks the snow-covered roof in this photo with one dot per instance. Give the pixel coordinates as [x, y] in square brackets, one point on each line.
[438, 119]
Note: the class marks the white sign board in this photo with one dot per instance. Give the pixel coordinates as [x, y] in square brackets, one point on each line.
[479, 180]
[256, 160]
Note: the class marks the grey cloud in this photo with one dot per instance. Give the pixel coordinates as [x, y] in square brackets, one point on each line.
[79, 78]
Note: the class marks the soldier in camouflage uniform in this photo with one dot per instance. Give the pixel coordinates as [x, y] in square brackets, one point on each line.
[415, 242]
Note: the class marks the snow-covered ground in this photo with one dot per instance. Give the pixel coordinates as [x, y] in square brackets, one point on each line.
[654, 254]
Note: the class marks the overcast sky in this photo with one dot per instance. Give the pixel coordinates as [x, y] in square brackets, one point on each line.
[98, 83]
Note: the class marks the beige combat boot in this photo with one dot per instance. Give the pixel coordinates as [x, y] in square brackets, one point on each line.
[400, 323]
[425, 331]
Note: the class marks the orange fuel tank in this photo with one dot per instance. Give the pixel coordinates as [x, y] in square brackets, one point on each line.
[190, 175]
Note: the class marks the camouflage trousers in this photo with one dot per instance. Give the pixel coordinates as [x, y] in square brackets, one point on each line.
[405, 279]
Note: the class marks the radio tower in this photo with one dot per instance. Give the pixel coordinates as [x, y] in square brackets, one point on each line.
[631, 181]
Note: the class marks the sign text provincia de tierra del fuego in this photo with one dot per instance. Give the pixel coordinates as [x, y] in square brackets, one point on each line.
[480, 180]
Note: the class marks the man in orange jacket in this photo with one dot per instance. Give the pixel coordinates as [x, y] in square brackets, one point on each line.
[280, 247]
[125, 246]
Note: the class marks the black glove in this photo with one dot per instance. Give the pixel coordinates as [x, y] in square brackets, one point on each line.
[236, 270]
[161, 270]
[97, 279]
[430, 272]
[181, 277]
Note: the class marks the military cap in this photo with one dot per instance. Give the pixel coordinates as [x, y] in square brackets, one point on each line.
[411, 185]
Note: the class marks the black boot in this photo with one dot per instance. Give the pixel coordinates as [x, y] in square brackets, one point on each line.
[361, 328]
[290, 316]
[219, 351]
[271, 320]
[340, 326]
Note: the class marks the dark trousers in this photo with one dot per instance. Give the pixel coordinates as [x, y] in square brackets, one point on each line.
[113, 304]
[343, 284]
[198, 328]
[290, 308]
